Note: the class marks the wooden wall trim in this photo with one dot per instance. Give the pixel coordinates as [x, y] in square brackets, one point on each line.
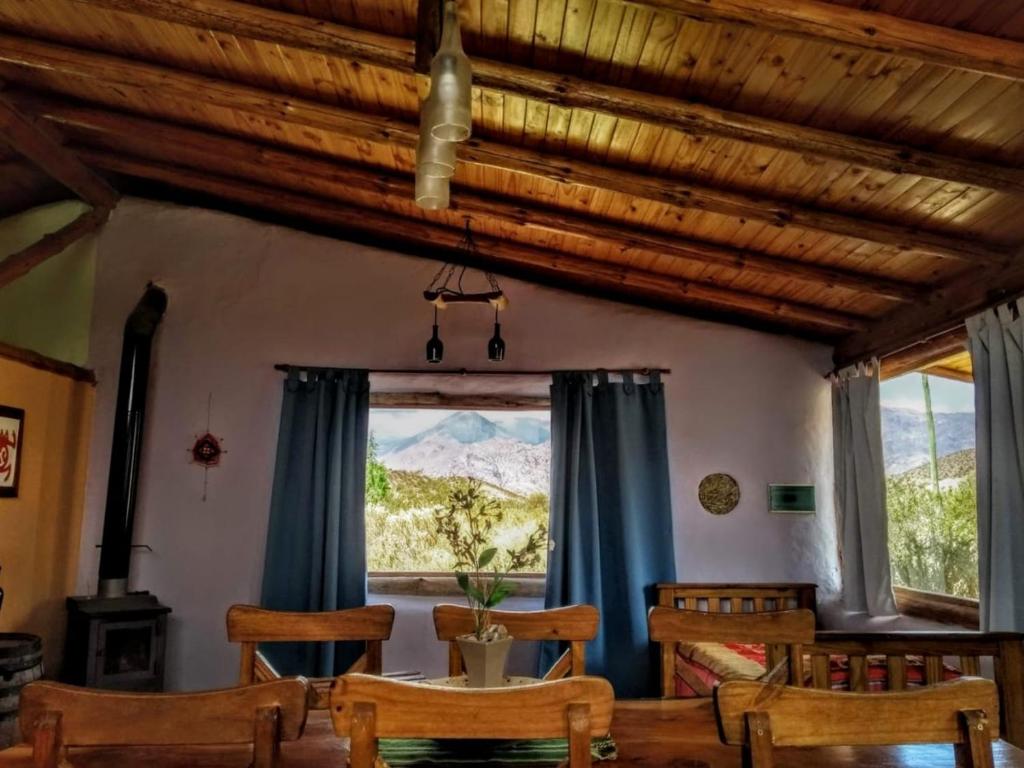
[44, 363]
[456, 401]
[944, 609]
[443, 584]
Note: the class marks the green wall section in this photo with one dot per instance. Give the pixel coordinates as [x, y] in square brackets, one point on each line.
[49, 310]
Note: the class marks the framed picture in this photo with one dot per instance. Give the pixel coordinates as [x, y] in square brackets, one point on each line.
[12, 430]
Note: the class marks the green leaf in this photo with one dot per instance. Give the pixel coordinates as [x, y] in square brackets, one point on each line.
[463, 581]
[485, 557]
[475, 594]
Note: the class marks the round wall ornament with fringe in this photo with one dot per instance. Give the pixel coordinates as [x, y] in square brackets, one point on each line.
[719, 493]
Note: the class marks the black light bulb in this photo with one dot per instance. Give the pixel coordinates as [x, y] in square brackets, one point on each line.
[496, 346]
[435, 349]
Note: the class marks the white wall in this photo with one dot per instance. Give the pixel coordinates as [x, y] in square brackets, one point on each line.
[244, 296]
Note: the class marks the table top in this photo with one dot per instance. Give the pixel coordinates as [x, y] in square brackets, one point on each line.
[649, 734]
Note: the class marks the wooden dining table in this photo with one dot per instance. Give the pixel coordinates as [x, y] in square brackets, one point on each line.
[651, 733]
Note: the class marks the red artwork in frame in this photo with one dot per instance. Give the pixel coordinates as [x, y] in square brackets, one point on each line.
[12, 433]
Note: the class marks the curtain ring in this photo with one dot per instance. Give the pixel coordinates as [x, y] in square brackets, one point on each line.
[628, 384]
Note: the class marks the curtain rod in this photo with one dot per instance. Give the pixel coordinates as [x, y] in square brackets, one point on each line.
[480, 372]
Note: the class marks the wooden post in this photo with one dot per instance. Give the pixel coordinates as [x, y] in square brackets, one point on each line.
[364, 736]
[975, 747]
[374, 657]
[1010, 677]
[579, 658]
[579, 735]
[757, 752]
[266, 745]
[247, 664]
[46, 741]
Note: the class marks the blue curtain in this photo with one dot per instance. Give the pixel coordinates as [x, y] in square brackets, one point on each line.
[316, 541]
[611, 518]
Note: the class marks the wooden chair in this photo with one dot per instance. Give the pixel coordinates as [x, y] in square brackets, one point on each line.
[759, 717]
[575, 624]
[784, 634]
[250, 625]
[54, 717]
[366, 708]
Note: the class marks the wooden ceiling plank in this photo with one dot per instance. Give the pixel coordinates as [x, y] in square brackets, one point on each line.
[924, 353]
[969, 292]
[245, 20]
[273, 108]
[27, 259]
[950, 373]
[42, 147]
[500, 251]
[868, 30]
[132, 131]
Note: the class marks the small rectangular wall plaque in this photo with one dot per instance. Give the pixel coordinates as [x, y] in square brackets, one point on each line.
[791, 498]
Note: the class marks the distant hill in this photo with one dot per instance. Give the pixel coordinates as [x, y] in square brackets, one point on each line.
[905, 437]
[952, 466]
[515, 457]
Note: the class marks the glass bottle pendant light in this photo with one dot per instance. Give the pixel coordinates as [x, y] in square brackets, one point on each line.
[433, 156]
[448, 109]
[431, 191]
[496, 346]
[435, 349]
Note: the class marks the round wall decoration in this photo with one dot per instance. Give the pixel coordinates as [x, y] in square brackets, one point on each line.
[719, 493]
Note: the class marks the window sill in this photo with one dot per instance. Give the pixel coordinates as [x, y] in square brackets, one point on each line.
[443, 585]
[945, 609]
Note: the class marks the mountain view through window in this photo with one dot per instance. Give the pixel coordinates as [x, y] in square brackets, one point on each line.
[928, 441]
[418, 459]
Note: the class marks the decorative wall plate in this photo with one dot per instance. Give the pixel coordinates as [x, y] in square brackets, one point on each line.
[719, 493]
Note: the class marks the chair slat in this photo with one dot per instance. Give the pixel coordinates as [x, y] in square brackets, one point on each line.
[821, 672]
[896, 671]
[970, 665]
[933, 669]
[858, 673]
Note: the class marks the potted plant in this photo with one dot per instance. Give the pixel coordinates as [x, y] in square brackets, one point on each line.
[466, 523]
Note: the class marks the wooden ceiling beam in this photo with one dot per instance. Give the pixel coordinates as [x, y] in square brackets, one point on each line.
[39, 144]
[971, 291]
[198, 149]
[832, 24]
[316, 36]
[924, 353]
[431, 238]
[27, 259]
[276, 107]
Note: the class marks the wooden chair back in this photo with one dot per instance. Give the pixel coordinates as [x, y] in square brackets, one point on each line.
[53, 717]
[784, 634]
[250, 625]
[575, 624]
[366, 708]
[760, 716]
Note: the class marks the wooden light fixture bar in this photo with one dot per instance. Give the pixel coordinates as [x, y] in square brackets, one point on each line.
[277, 108]
[317, 36]
[162, 141]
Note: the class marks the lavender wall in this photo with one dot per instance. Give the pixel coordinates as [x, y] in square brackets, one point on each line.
[244, 296]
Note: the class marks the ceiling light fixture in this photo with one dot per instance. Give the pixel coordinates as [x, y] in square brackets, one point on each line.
[447, 289]
[446, 115]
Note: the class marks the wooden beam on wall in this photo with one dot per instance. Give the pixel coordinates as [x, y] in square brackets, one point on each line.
[832, 24]
[970, 292]
[276, 107]
[444, 243]
[259, 163]
[43, 363]
[924, 353]
[38, 144]
[317, 36]
[448, 401]
[27, 259]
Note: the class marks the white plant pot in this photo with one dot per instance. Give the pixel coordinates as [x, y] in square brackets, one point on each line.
[485, 660]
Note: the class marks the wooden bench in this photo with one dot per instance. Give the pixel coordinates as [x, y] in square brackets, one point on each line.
[366, 708]
[54, 717]
[575, 624]
[761, 717]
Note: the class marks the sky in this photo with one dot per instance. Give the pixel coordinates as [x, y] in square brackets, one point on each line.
[948, 396]
[387, 423]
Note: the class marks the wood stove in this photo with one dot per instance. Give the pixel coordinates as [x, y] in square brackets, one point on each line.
[117, 638]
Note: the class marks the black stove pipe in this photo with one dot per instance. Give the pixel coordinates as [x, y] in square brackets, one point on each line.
[122, 483]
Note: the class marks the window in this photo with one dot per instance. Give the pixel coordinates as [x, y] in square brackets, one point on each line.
[928, 439]
[417, 458]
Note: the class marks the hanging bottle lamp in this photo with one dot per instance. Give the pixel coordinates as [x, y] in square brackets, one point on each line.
[447, 289]
[446, 115]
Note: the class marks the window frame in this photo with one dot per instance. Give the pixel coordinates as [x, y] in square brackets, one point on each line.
[439, 583]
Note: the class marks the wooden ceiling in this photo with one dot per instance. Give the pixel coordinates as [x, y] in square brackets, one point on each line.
[839, 173]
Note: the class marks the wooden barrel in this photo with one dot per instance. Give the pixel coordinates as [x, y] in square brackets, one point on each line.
[21, 662]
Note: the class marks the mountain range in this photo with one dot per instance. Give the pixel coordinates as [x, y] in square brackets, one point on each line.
[905, 437]
[515, 456]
